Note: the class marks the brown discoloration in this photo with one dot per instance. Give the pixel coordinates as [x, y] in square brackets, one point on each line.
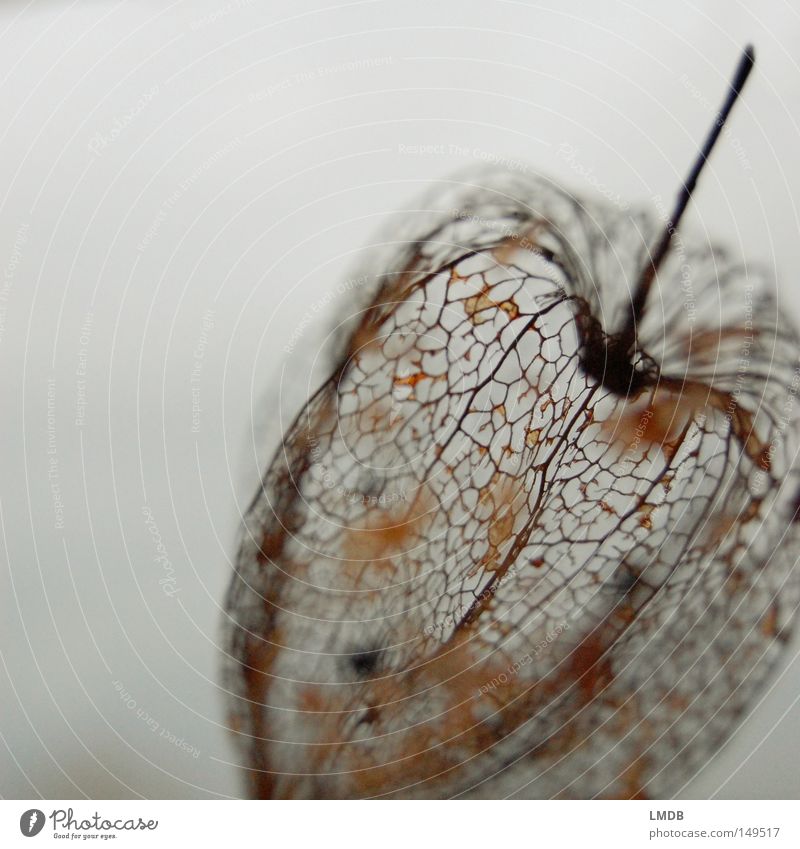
[270, 546]
[259, 659]
[365, 338]
[659, 422]
[532, 438]
[769, 622]
[671, 407]
[455, 277]
[500, 529]
[481, 307]
[633, 780]
[525, 240]
[387, 532]
[430, 718]
[257, 667]
[705, 347]
[411, 379]
[589, 665]
[430, 750]
[393, 289]
[366, 576]
[646, 515]
[736, 583]
[500, 501]
[700, 396]
[728, 524]
[457, 679]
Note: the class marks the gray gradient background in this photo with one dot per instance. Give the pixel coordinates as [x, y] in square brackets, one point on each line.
[259, 147]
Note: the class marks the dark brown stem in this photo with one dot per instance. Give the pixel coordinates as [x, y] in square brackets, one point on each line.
[657, 256]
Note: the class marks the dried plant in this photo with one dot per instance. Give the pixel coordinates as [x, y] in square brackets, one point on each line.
[535, 534]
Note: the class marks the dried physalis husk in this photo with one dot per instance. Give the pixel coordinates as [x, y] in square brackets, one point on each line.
[504, 552]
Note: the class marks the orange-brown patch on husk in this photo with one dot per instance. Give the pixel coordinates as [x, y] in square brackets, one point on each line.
[389, 531]
[257, 663]
[501, 500]
[525, 240]
[704, 347]
[482, 307]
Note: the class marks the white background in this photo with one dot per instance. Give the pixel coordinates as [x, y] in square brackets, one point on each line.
[162, 160]
[601, 824]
